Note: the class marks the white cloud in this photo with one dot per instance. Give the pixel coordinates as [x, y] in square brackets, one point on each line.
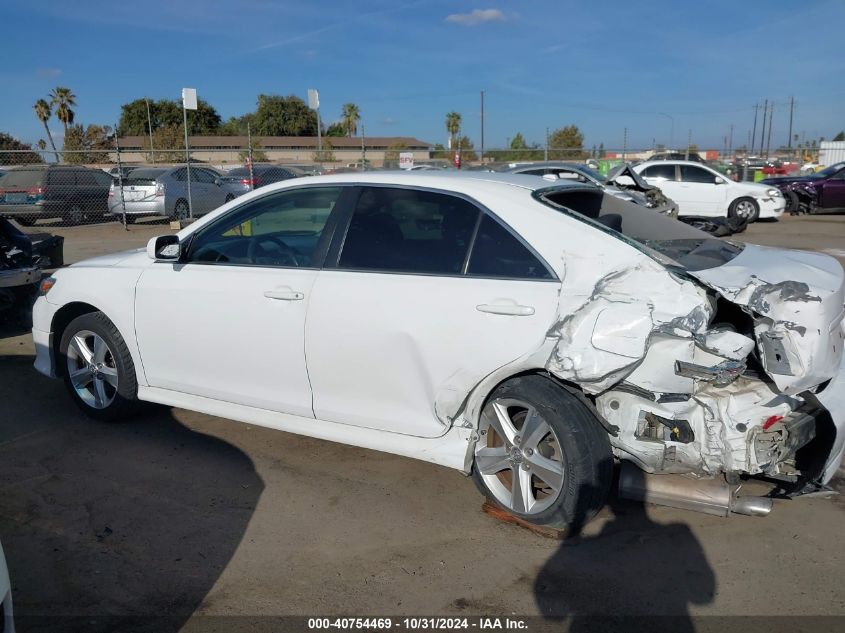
[476, 16]
[49, 73]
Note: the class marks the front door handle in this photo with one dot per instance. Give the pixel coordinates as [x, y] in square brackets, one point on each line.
[284, 294]
[509, 310]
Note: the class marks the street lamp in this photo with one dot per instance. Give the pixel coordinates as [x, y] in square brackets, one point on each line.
[672, 132]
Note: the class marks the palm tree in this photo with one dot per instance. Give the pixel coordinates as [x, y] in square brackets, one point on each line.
[62, 99]
[453, 126]
[349, 118]
[44, 112]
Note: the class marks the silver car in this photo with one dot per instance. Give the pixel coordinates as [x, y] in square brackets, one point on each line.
[634, 190]
[163, 191]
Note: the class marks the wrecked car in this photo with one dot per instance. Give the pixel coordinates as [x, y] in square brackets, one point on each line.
[622, 181]
[525, 332]
[820, 192]
[22, 258]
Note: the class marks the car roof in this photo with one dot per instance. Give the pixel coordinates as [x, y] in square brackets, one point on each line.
[674, 161]
[441, 179]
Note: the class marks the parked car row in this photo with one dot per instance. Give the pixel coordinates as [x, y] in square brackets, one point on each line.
[818, 192]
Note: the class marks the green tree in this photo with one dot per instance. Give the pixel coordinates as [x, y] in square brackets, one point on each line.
[284, 116]
[84, 146]
[467, 150]
[13, 152]
[335, 130]
[166, 113]
[566, 143]
[238, 126]
[349, 118]
[169, 144]
[602, 153]
[43, 111]
[62, 99]
[453, 126]
[840, 136]
[327, 153]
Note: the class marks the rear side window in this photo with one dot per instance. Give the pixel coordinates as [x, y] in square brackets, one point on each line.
[666, 172]
[62, 178]
[498, 253]
[85, 178]
[22, 178]
[407, 230]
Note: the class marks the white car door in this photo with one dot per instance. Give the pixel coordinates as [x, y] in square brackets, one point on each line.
[404, 320]
[705, 192]
[227, 322]
[664, 176]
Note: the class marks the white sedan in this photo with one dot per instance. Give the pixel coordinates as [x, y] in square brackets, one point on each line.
[702, 191]
[527, 332]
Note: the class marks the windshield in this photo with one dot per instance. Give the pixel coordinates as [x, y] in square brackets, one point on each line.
[142, 176]
[668, 240]
[592, 174]
[827, 172]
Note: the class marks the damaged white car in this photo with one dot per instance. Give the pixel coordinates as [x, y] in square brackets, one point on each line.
[527, 332]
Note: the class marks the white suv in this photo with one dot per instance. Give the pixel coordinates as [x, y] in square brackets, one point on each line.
[702, 191]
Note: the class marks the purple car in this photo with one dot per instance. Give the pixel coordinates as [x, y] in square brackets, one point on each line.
[822, 192]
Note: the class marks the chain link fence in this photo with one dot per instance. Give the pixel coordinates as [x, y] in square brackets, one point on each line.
[54, 190]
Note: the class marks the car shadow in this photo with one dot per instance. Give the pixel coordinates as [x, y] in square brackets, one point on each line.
[112, 526]
[635, 574]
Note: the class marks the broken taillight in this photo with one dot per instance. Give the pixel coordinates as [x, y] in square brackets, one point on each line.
[771, 421]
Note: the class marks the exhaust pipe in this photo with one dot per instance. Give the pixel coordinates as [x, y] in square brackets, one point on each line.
[710, 496]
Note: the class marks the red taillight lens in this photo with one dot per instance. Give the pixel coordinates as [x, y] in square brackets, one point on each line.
[249, 183]
[35, 191]
[159, 189]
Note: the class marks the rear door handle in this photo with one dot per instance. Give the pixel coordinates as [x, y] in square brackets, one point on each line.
[509, 310]
[284, 294]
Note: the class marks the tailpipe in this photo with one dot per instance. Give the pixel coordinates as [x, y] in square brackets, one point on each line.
[710, 496]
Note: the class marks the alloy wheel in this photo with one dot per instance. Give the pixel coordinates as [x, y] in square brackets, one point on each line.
[519, 456]
[745, 208]
[92, 370]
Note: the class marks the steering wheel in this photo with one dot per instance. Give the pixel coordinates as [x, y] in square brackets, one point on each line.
[282, 255]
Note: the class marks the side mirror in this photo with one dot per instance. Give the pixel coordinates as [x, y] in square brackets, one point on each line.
[719, 180]
[164, 248]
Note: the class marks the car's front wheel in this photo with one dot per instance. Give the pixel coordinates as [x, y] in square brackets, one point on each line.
[97, 368]
[542, 454]
[745, 209]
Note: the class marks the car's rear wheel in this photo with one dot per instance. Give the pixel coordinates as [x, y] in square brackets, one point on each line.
[75, 214]
[744, 208]
[181, 210]
[97, 368]
[542, 454]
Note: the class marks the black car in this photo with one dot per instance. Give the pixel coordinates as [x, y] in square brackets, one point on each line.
[74, 194]
[239, 179]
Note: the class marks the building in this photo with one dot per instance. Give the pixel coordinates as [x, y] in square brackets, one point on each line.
[224, 150]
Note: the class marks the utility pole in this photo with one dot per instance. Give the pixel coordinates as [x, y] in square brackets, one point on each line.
[689, 142]
[731, 140]
[754, 132]
[791, 112]
[189, 102]
[249, 157]
[769, 140]
[763, 131]
[546, 152]
[624, 144]
[363, 147]
[482, 126]
[150, 128]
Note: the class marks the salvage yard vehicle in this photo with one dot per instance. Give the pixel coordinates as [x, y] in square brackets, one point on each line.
[522, 331]
[75, 194]
[820, 192]
[163, 191]
[701, 191]
[636, 190]
[22, 258]
[7, 624]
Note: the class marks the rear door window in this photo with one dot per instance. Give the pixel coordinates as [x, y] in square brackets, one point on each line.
[62, 178]
[85, 179]
[22, 179]
[410, 231]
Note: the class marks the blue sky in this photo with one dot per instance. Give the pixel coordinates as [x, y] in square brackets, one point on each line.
[603, 66]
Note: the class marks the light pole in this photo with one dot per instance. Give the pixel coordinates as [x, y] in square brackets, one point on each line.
[672, 129]
[189, 102]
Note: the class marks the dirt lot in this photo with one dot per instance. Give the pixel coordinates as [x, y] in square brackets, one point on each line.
[182, 514]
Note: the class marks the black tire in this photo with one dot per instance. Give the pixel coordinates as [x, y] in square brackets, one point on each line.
[124, 400]
[181, 209]
[586, 458]
[76, 214]
[734, 211]
[792, 204]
